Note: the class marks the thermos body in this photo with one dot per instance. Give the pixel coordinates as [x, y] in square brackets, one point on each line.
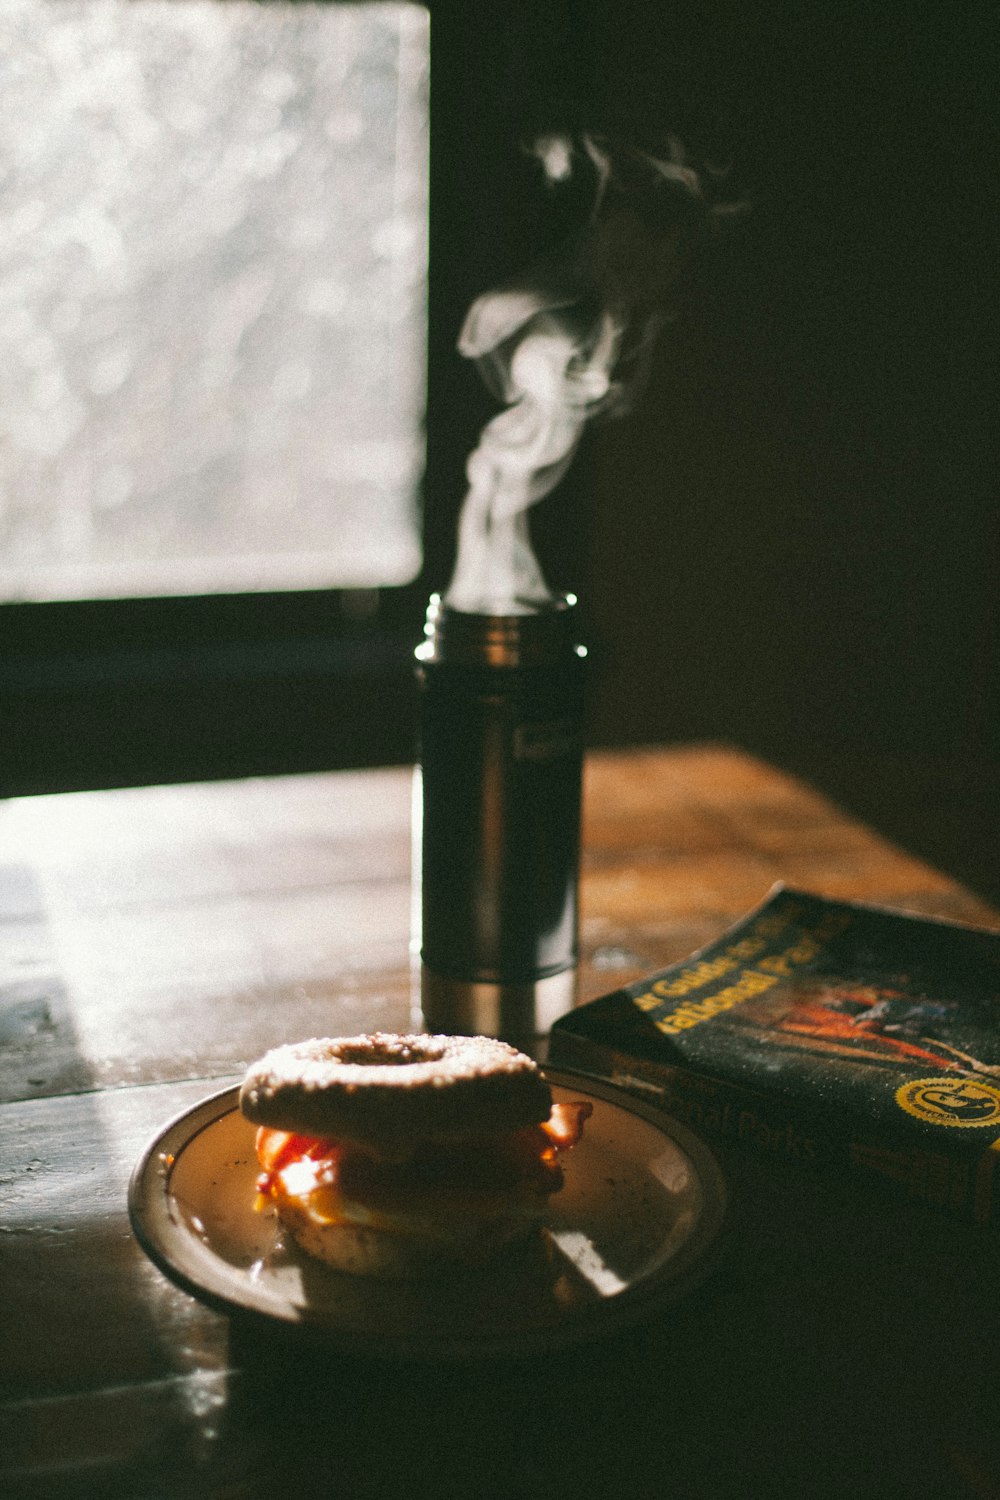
[501, 713]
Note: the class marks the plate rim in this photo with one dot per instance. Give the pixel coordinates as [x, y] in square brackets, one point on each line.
[149, 1184]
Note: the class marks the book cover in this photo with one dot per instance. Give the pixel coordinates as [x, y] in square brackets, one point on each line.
[827, 1032]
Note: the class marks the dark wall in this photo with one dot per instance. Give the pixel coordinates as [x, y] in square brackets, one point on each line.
[804, 505]
[792, 541]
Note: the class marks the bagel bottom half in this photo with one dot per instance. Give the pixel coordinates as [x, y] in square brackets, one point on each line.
[364, 1242]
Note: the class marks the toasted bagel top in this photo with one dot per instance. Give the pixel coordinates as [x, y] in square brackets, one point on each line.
[386, 1087]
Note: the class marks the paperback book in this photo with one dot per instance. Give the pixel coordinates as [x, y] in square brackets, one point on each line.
[825, 1032]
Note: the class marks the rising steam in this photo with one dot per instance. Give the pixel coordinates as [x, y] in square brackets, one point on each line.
[568, 341]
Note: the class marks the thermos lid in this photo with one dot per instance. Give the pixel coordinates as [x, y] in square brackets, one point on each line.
[542, 634]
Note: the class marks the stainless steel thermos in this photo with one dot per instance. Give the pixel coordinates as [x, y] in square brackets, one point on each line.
[497, 817]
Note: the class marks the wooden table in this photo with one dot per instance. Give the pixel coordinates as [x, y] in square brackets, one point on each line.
[154, 941]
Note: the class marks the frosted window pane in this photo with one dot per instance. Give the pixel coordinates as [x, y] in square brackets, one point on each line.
[212, 295]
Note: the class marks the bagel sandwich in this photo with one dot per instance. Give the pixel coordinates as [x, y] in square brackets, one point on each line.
[403, 1155]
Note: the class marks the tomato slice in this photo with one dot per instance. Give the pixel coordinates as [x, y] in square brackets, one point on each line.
[564, 1126]
[483, 1170]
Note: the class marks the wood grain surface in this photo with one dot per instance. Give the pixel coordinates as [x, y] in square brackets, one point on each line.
[154, 941]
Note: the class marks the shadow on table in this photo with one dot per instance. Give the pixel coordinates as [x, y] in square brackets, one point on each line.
[834, 1352]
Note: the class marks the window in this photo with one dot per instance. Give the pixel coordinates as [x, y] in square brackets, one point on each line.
[212, 296]
[213, 227]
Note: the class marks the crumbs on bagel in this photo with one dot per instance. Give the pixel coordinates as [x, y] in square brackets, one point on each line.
[398, 1155]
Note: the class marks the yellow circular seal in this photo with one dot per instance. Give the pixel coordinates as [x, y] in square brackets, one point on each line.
[960, 1102]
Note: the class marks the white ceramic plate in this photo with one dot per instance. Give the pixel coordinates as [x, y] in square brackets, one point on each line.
[631, 1230]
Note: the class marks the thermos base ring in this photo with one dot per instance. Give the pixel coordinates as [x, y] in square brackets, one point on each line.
[515, 1012]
